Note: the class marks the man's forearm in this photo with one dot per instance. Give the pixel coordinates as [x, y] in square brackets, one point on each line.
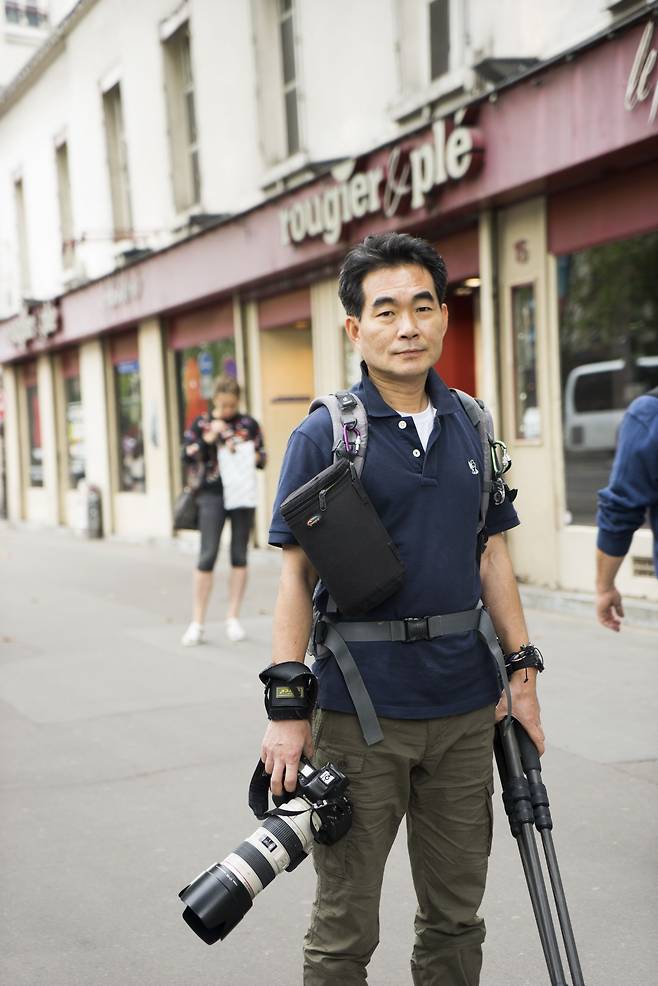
[607, 567]
[293, 612]
[500, 595]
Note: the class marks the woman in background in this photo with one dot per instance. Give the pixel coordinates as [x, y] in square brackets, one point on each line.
[226, 448]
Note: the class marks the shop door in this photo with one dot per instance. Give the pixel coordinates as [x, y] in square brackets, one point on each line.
[529, 386]
[287, 391]
[457, 363]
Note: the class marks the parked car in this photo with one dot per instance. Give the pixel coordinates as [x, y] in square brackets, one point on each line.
[596, 396]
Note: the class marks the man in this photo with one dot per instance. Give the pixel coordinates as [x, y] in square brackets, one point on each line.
[632, 490]
[435, 698]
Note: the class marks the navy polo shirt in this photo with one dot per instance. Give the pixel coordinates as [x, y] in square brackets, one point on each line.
[429, 502]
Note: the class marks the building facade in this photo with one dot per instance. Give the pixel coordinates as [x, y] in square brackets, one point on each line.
[186, 208]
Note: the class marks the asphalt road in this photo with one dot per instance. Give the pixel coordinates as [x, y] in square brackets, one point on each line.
[126, 758]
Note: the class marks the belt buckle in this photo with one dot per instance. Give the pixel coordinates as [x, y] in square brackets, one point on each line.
[416, 628]
[319, 634]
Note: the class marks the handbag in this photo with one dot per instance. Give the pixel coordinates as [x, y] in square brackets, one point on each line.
[237, 469]
[186, 511]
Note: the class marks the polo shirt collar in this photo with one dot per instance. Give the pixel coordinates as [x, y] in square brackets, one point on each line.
[438, 393]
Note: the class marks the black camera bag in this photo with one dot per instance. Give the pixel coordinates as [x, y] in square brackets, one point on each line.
[341, 533]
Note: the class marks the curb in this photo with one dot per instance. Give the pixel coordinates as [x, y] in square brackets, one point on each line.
[638, 612]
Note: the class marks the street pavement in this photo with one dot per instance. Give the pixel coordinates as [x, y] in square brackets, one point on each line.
[126, 759]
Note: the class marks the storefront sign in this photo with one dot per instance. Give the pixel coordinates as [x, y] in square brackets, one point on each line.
[641, 86]
[40, 323]
[122, 288]
[406, 177]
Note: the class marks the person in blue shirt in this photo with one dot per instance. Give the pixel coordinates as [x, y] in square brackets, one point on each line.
[623, 504]
[437, 699]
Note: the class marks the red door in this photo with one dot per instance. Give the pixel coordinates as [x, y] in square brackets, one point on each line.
[457, 363]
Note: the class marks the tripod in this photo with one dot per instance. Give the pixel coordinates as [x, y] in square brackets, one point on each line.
[526, 803]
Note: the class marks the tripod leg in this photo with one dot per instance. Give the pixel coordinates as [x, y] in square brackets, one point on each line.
[562, 909]
[517, 804]
[532, 766]
[528, 871]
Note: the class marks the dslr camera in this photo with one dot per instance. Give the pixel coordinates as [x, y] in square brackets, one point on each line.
[318, 811]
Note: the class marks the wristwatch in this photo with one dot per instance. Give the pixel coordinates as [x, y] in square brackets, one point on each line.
[527, 656]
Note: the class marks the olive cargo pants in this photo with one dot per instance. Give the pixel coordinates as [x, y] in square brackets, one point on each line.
[437, 772]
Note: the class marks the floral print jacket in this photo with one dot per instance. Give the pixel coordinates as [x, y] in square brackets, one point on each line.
[202, 465]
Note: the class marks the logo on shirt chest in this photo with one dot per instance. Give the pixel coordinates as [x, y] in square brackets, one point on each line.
[472, 465]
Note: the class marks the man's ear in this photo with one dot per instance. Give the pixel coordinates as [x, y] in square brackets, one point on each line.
[352, 329]
[444, 313]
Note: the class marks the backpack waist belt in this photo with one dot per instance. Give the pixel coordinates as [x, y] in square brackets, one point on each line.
[331, 637]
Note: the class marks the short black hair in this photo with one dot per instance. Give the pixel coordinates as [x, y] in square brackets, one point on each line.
[387, 250]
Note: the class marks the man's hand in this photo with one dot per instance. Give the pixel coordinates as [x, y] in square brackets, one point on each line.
[283, 744]
[609, 608]
[525, 707]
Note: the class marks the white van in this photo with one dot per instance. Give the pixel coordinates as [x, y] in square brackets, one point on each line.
[595, 398]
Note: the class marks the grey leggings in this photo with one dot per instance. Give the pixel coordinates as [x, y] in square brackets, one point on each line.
[212, 516]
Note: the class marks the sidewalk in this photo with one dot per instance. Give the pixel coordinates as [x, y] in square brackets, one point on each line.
[126, 761]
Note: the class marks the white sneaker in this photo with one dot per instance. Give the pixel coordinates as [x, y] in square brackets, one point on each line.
[234, 630]
[194, 635]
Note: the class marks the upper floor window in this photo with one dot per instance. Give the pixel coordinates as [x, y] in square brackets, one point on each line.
[65, 207]
[183, 134]
[289, 74]
[117, 162]
[21, 238]
[432, 52]
[439, 27]
[25, 14]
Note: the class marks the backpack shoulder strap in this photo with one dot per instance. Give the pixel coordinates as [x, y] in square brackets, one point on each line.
[350, 426]
[480, 418]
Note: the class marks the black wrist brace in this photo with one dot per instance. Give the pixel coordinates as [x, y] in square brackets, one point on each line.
[290, 690]
[527, 656]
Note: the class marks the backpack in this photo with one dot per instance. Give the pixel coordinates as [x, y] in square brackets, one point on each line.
[350, 440]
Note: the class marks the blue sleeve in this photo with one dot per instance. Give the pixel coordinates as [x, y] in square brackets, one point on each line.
[633, 485]
[502, 517]
[307, 454]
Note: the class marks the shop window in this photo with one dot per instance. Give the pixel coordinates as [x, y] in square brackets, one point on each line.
[129, 425]
[608, 301]
[196, 369]
[183, 134]
[117, 162]
[75, 436]
[524, 331]
[65, 206]
[289, 73]
[34, 434]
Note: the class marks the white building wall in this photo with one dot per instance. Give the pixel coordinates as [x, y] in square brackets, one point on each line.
[352, 82]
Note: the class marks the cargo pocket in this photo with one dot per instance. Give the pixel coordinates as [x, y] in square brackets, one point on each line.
[490, 791]
[333, 861]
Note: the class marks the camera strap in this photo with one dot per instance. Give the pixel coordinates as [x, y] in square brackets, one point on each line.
[259, 791]
[334, 636]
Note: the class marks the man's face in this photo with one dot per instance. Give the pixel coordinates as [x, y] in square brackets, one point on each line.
[402, 325]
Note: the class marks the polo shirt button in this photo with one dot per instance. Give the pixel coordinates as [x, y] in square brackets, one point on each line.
[402, 424]
[416, 453]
